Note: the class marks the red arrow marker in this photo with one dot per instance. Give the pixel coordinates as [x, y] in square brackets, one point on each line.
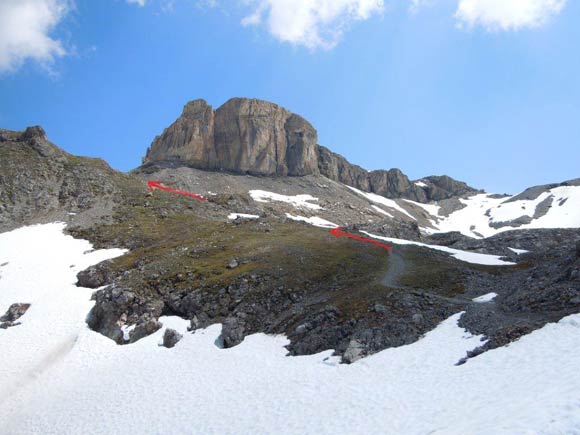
[152, 185]
[339, 232]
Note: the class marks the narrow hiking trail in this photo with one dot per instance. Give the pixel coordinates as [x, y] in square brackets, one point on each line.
[395, 270]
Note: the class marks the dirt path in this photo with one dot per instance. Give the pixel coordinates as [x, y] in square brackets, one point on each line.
[396, 269]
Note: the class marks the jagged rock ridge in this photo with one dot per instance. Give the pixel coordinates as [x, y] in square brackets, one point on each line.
[249, 136]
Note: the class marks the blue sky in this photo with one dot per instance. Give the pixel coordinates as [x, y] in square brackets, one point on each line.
[475, 89]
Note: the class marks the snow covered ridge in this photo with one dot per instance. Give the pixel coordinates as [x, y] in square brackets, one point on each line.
[59, 377]
[485, 215]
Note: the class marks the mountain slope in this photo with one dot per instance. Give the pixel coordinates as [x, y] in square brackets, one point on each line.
[354, 298]
[60, 377]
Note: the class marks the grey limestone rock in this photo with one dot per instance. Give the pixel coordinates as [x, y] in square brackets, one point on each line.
[171, 337]
[249, 136]
[245, 136]
[354, 351]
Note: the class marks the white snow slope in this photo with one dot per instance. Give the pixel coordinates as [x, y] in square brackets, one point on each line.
[482, 210]
[59, 377]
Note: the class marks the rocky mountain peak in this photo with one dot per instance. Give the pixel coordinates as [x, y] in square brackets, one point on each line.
[250, 136]
[246, 136]
[33, 137]
[34, 133]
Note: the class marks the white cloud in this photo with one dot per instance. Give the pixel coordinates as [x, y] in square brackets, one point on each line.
[139, 2]
[25, 27]
[507, 14]
[312, 23]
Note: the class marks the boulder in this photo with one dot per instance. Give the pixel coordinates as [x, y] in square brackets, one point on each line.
[171, 337]
[233, 332]
[354, 351]
[95, 276]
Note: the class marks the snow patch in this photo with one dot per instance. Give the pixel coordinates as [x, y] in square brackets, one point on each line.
[57, 376]
[380, 210]
[432, 209]
[300, 201]
[126, 330]
[378, 199]
[518, 251]
[482, 210]
[316, 221]
[234, 216]
[420, 184]
[468, 257]
[485, 298]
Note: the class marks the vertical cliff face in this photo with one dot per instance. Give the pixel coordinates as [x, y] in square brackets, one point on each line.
[243, 136]
[248, 136]
[336, 167]
[189, 139]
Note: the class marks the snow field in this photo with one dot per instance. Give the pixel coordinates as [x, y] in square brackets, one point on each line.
[66, 379]
[481, 210]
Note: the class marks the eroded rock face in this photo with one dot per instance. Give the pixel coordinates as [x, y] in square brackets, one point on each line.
[444, 187]
[337, 168]
[392, 183]
[248, 136]
[190, 138]
[244, 136]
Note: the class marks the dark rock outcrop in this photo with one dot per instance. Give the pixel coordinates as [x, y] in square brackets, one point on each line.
[337, 168]
[39, 182]
[95, 276]
[171, 337]
[15, 312]
[392, 183]
[444, 187]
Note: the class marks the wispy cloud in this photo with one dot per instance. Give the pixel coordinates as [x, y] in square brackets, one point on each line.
[139, 2]
[496, 15]
[25, 32]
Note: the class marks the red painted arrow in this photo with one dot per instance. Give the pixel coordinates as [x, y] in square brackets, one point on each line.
[339, 232]
[152, 185]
